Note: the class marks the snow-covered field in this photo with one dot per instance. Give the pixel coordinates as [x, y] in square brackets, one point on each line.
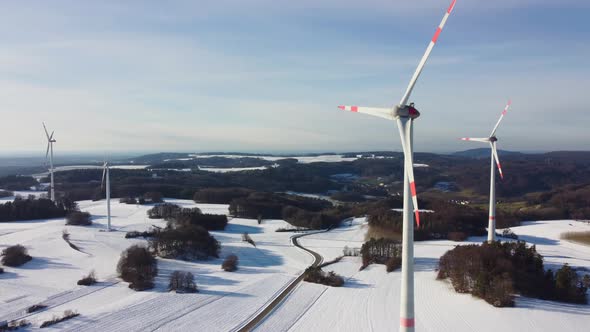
[369, 301]
[225, 301]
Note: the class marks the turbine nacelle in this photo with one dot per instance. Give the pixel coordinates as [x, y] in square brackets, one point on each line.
[406, 111]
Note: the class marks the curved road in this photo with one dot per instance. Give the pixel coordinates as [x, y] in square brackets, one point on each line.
[318, 259]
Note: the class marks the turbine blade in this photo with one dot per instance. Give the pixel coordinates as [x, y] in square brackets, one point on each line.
[385, 113]
[418, 71]
[45, 128]
[501, 117]
[409, 161]
[493, 144]
[47, 153]
[475, 139]
[104, 173]
[51, 136]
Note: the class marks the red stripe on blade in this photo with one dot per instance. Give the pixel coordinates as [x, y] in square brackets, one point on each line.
[417, 214]
[341, 107]
[407, 322]
[436, 34]
[451, 6]
[354, 108]
[492, 218]
[413, 188]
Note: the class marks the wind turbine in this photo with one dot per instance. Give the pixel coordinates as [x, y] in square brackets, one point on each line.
[105, 176]
[50, 141]
[405, 115]
[494, 156]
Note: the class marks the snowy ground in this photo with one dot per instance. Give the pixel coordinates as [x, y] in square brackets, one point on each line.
[225, 301]
[369, 301]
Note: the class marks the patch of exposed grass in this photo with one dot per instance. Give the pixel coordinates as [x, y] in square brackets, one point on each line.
[579, 237]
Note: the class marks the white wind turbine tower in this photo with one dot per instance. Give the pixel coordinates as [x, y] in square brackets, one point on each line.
[494, 156]
[106, 181]
[405, 115]
[50, 141]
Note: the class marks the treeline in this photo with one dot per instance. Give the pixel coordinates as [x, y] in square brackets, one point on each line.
[17, 182]
[215, 162]
[446, 218]
[269, 205]
[177, 216]
[495, 271]
[220, 195]
[32, 208]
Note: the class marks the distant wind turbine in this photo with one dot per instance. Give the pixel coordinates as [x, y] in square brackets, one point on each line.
[106, 181]
[404, 115]
[50, 141]
[494, 156]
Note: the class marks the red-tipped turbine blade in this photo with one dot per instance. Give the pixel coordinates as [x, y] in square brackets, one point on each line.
[501, 117]
[385, 113]
[495, 152]
[422, 62]
[406, 138]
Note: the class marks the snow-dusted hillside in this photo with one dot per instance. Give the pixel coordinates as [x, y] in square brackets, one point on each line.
[369, 301]
[224, 302]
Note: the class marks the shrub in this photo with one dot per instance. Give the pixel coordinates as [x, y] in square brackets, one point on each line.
[88, 280]
[182, 282]
[35, 307]
[138, 267]
[569, 287]
[354, 252]
[128, 200]
[14, 256]
[246, 238]
[457, 236]
[78, 218]
[1, 270]
[136, 234]
[230, 263]
[68, 314]
[316, 275]
[393, 263]
[14, 325]
[185, 242]
[153, 197]
[509, 234]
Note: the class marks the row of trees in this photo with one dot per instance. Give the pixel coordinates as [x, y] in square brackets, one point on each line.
[177, 216]
[270, 205]
[32, 208]
[184, 241]
[495, 271]
[382, 251]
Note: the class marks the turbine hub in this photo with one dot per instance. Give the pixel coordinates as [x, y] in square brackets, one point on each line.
[493, 139]
[406, 111]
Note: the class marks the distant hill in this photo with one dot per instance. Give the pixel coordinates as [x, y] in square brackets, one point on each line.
[484, 153]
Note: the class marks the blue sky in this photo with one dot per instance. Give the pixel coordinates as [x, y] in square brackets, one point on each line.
[267, 75]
